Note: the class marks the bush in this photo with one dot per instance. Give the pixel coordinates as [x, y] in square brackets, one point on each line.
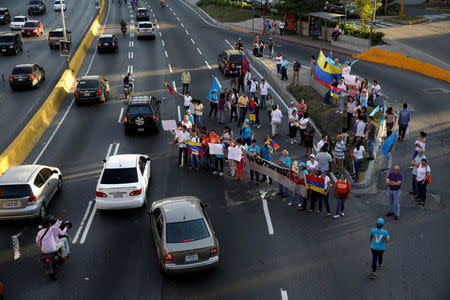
[352, 30]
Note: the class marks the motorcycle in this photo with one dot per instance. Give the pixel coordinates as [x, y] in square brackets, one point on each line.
[51, 261]
[124, 30]
[127, 90]
[163, 4]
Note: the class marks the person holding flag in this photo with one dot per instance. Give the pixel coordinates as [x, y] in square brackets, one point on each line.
[266, 153]
[195, 155]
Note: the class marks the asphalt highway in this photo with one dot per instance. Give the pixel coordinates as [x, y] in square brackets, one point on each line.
[17, 107]
[113, 254]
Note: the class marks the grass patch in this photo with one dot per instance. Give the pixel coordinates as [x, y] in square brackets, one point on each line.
[331, 123]
[409, 20]
[234, 14]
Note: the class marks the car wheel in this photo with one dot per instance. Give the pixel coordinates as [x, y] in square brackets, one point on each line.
[42, 212]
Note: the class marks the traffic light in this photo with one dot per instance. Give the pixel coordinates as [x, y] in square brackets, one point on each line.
[64, 48]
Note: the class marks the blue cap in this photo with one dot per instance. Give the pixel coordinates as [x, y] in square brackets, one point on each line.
[247, 121]
[380, 221]
[302, 164]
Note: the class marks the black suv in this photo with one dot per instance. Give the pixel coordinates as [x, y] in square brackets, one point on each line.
[10, 43]
[36, 7]
[229, 57]
[26, 75]
[142, 14]
[5, 17]
[93, 88]
[107, 42]
[141, 114]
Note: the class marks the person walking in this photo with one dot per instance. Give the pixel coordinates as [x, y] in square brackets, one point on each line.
[233, 105]
[285, 162]
[281, 25]
[358, 154]
[213, 100]
[293, 124]
[263, 92]
[185, 80]
[415, 164]
[284, 66]
[256, 150]
[370, 133]
[423, 178]
[269, 106]
[240, 80]
[246, 133]
[276, 120]
[342, 190]
[296, 72]
[394, 182]
[243, 105]
[278, 60]
[379, 237]
[404, 118]
[233, 77]
[389, 116]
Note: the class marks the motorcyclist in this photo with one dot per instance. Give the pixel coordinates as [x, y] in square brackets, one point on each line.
[162, 3]
[50, 237]
[133, 4]
[128, 80]
[123, 24]
[238, 45]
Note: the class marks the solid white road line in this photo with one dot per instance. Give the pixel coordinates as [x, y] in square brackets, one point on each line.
[284, 295]
[16, 246]
[109, 150]
[186, 32]
[120, 116]
[266, 213]
[192, 41]
[162, 42]
[170, 68]
[86, 214]
[179, 113]
[218, 82]
[182, 25]
[88, 225]
[116, 149]
[199, 51]
[174, 86]
[207, 64]
[165, 52]
[54, 133]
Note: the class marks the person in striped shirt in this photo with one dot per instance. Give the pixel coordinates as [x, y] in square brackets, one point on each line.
[339, 153]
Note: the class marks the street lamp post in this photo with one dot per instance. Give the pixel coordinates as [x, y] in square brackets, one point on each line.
[401, 10]
[64, 28]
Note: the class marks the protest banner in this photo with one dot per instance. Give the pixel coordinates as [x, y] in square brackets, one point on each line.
[169, 125]
[215, 149]
[234, 153]
[195, 148]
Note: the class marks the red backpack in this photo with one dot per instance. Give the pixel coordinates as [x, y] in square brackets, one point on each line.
[342, 187]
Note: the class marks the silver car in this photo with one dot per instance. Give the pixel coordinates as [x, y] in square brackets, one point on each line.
[26, 191]
[146, 29]
[184, 238]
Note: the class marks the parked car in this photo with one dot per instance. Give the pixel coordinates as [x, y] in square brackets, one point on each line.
[32, 27]
[56, 35]
[5, 16]
[124, 181]
[92, 88]
[107, 42]
[141, 114]
[18, 22]
[27, 190]
[57, 5]
[37, 7]
[183, 234]
[10, 43]
[142, 14]
[27, 76]
[229, 57]
[145, 29]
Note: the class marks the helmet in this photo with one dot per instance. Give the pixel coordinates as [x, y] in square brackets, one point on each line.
[380, 222]
[129, 73]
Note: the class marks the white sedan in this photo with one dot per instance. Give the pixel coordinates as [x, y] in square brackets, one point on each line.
[123, 182]
[18, 22]
[57, 5]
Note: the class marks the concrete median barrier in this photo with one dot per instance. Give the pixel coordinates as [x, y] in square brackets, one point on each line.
[25, 141]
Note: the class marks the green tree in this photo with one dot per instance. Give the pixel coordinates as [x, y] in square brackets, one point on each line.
[365, 8]
[301, 7]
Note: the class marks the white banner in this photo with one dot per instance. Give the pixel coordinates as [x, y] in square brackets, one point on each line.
[215, 149]
[234, 153]
[169, 124]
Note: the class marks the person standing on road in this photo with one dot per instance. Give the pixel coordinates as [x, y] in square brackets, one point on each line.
[256, 150]
[233, 77]
[243, 104]
[324, 197]
[293, 124]
[247, 80]
[233, 105]
[263, 92]
[182, 150]
[420, 143]
[221, 108]
[213, 103]
[350, 107]
[271, 47]
[285, 162]
[198, 113]
[240, 81]
[240, 164]
[269, 106]
[415, 164]
[358, 154]
[187, 99]
[296, 72]
[266, 153]
[322, 142]
[246, 133]
[284, 66]
[423, 178]
[389, 116]
[371, 131]
[253, 87]
[309, 134]
[378, 237]
[324, 159]
[339, 154]
[276, 120]
[301, 169]
[278, 60]
[342, 189]
[281, 25]
[185, 80]
[394, 182]
[404, 118]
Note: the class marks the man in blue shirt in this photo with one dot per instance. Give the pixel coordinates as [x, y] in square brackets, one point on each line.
[213, 100]
[378, 237]
[285, 162]
[404, 117]
[266, 153]
[246, 133]
[254, 149]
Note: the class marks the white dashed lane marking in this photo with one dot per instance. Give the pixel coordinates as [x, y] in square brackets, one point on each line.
[199, 51]
[170, 68]
[192, 41]
[165, 52]
[207, 64]
[162, 42]
[186, 32]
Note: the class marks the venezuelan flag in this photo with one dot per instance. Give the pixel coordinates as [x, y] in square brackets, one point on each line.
[335, 92]
[195, 148]
[325, 71]
[168, 86]
[274, 145]
[315, 183]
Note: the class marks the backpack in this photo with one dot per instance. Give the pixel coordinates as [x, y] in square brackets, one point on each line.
[342, 187]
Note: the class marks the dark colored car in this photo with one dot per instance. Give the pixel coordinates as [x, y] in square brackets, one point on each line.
[26, 75]
[10, 43]
[56, 36]
[36, 7]
[5, 17]
[92, 88]
[107, 42]
[229, 57]
[142, 14]
[32, 28]
[141, 114]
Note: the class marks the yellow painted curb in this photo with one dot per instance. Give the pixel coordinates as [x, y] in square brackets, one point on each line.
[25, 141]
[238, 29]
[393, 59]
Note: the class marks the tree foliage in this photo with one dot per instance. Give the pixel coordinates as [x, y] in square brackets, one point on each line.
[301, 7]
[365, 8]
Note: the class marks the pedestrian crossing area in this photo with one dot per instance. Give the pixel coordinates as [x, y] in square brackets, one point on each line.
[437, 17]
[384, 24]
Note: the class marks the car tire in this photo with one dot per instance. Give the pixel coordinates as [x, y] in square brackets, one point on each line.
[42, 212]
[15, 51]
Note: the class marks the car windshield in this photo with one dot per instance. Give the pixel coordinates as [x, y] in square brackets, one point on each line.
[235, 59]
[106, 39]
[8, 38]
[35, 2]
[55, 34]
[87, 84]
[188, 231]
[30, 24]
[119, 176]
[14, 191]
[139, 110]
[21, 70]
[19, 19]
[145, 25]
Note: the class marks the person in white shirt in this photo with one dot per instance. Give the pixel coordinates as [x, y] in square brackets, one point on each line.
[48, 238]
[374, 92]
[263, 92]
[343, 87]
[247, 80]
[276, 119]
[253, 87]
[360, 128]
[324, 197]
[302, 124]
[182, 150]
[187, 123]
[187, 99]
[322, 142]
[278, 59]
[312, 164]
[358, 154]
[423, 175]
[281, 25]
